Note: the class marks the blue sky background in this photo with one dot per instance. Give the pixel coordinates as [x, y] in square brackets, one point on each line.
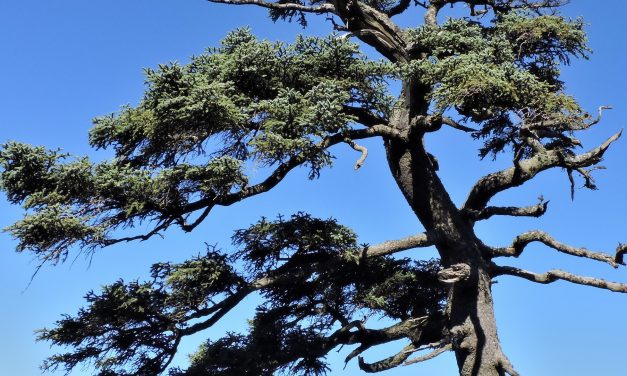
[67, 61]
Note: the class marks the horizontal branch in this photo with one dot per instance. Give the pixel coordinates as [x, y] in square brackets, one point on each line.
[513, 211]
[364, 116]
[501, 6]
[521, 242]
[206, 204]
[393, 246]
[431, 355]
[453, 124]
[299, 267]
[524, 170]
[555, 275]
[277, 175]
[285, 6]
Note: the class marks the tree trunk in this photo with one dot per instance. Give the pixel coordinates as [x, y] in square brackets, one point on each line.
[470, 313]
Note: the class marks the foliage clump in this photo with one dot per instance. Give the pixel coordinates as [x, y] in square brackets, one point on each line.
[311, 280]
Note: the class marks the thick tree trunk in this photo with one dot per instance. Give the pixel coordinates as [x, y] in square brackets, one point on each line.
[471, 322]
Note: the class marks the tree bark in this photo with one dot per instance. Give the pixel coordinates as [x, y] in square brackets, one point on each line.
[470, 313]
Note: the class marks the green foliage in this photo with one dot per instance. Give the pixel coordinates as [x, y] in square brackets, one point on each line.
[191, 137]
[134, 328]
[263, 100]
[503, 77]
[189, 143]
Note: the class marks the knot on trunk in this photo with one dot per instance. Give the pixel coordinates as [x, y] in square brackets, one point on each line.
[455, 273]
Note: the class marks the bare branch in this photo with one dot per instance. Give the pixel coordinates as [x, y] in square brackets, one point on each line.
[620, 252]
[526, 169]
[225, 307]
[359, 148]
[387, 363]
[598, 119]
[156, 231]
[410, 328]
[514, 211]
[554, 275]
[374, 28]
[318, 9]
[388, 132]
[364, 116]
[453, 124]
[429, 356]
[520, 243]
[431, 15]
[392, 246]
[399, 8]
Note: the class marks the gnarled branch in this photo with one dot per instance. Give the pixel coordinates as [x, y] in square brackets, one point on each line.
[362, 149]
[374, 28]
[520, 243]
[513, 211]
[524, 170]
[555, 275]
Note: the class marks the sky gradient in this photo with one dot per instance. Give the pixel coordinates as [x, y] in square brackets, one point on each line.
[67, 61]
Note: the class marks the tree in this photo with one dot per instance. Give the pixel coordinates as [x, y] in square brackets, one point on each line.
[187, 147]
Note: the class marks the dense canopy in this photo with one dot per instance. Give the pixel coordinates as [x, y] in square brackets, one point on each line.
[203, 134]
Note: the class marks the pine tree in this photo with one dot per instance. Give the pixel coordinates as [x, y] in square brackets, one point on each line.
[190, 145]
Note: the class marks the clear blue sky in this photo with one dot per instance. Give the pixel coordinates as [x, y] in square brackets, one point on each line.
[66, 61]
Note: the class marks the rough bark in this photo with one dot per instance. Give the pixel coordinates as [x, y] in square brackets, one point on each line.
[470, 312]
